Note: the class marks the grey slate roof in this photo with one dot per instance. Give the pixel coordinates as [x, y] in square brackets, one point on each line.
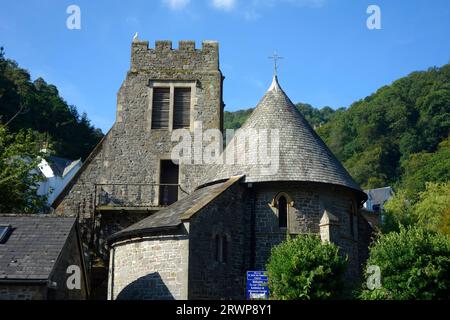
[61, 166]
[32, 248]
[380, 195]
[303, 156]
[172, 216]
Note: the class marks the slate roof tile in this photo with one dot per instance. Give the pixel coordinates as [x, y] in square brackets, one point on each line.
[172, 215]
[33, 246]
[303, 156]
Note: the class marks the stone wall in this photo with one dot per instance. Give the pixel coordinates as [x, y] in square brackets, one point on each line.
[365, 237]
[340, 204]
[70, 255]
[230, 213]
[154, 267]
[131, 151]
[303, 216]
[23, 292]
[225, 216]
[308, 202]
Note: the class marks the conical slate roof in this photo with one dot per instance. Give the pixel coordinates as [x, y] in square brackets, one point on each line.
[303, 156]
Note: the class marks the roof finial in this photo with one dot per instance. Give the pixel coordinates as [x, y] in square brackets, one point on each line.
[275, 58]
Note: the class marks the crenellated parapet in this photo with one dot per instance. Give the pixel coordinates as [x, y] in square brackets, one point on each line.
[164, 57]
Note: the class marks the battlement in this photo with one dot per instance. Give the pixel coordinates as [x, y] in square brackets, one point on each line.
[183, 45]
[165, 57]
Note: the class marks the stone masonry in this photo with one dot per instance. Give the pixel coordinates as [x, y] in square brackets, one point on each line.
[126, 162]
[172, 252]
[225, 216]
[308, 202]
[152, 267]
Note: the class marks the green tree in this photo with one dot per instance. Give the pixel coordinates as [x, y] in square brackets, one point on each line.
[305, 268]
[315, 117]
[37, 105]
[423, 167]
[398, 211]
[19, 177]
[433, 203]
[429, 211]
[376, 136]
[234, 120]
[414, 264]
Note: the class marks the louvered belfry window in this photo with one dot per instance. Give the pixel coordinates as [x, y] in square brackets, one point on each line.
[160, 108]
[182, 108]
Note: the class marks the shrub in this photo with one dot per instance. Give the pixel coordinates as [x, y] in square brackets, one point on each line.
[414, 264]
[428, 210]
[305, 268]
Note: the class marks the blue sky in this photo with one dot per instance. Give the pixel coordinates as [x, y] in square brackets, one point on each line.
[330, 56]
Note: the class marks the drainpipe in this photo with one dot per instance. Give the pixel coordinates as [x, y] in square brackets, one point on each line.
[112, 254]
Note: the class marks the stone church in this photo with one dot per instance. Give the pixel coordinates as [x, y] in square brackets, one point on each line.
[154, 228]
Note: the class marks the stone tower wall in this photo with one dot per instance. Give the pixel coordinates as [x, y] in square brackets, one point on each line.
[309, 200]
[131, 151]
[154, 267]
[225, 216]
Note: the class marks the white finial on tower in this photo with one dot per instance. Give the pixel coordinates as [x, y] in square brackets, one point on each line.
[274, 86]
[135, 38]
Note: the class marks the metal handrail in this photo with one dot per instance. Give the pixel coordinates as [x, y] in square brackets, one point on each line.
[134, 198]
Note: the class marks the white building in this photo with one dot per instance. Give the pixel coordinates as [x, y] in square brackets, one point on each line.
[58, 172]
[377, 198]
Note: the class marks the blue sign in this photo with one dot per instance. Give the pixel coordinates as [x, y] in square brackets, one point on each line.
[257, 285]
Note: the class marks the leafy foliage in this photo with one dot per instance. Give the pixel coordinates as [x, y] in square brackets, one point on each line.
[397, 212]
[429, 211]
[424, 167]
[316, 117]
[19, 158]
[304, 268]
[414, 264]
[375, 134]
[37, 105]
[234, 120]
[385, 137]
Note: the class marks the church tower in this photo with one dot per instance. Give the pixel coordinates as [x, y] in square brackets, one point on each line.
[168, 89]
[130, 174]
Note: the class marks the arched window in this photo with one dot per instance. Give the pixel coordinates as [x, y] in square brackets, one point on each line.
[282, 212]
[281, 202]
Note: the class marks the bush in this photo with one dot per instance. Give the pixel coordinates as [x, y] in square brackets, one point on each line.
[19, 179]
[414, 264]
[304, 268]
[429, 210]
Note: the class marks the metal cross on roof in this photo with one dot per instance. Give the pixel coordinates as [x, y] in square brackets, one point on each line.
[275, 58]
